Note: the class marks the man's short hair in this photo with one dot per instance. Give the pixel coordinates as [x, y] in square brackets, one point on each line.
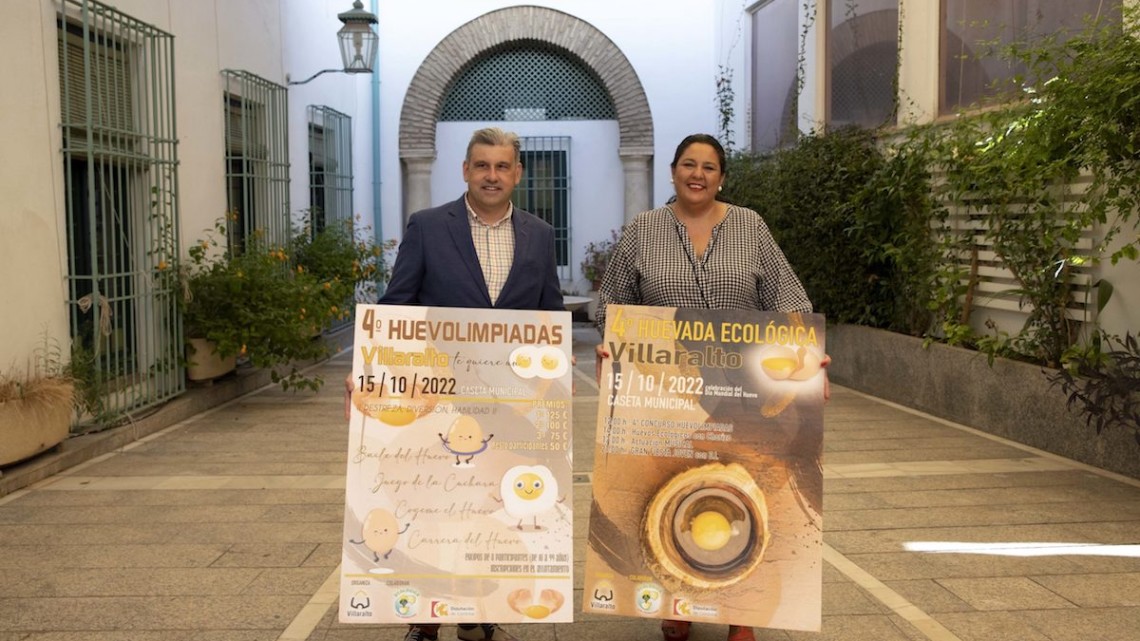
[495, 137]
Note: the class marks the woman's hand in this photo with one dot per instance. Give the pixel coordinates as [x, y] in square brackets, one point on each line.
[823, 363]
[601, 354]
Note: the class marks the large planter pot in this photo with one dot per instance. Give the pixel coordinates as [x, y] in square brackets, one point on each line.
[1010, 399]
[29, 427]
[203, 362]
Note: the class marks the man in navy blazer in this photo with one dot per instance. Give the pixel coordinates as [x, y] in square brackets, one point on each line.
[478, 251]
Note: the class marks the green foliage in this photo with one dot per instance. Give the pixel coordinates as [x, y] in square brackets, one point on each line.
[1042, 171]
[1104, 384]
[349, 266]
[853, 222]
[256, 304]
[598, 255]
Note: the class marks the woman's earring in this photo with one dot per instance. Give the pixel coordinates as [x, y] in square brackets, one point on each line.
[721, 188]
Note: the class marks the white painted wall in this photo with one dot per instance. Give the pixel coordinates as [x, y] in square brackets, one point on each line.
[310, 28]
[267, 37]
[674, 52]
[32, 257]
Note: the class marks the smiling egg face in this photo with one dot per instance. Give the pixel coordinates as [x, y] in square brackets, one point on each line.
[524, 361]
[528, 490]
[552, 363]
[465, 436]
[380, 531]
[528, 486]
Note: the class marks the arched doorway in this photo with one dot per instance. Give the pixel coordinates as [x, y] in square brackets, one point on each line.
[424, 99]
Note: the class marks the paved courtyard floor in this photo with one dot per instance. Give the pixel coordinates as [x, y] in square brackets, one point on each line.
[227, 527]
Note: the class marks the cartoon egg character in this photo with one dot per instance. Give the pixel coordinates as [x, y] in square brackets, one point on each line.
[524, 361]
[552, 362]
[527, 491]
[465, 439]
[379, 533]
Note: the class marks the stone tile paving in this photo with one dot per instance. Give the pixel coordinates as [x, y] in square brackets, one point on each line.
[227, 527]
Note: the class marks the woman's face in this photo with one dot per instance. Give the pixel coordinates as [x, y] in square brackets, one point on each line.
[697, 176]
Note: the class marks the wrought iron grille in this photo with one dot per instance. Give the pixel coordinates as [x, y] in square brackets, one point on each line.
[330, 166]
[257, 160]
[527, 81]
[545, 189]
[116, 77]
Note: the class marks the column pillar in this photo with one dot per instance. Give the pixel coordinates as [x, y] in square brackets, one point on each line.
[417, 184]
[637, 164]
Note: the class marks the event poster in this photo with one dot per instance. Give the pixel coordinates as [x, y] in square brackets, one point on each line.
[458, 487]
[707, 480]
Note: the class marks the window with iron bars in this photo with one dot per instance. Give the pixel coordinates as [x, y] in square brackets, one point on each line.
[330, 167]
[257, 160]
[116, 77]
[545, 189]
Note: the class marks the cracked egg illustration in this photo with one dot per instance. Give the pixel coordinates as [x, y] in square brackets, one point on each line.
[706, 528]
[546, 603]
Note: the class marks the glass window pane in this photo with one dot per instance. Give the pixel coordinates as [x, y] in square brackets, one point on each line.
[863, 54]
[973, 29]
[775, 49]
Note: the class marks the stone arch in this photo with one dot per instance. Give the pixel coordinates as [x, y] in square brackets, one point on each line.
[424, 99]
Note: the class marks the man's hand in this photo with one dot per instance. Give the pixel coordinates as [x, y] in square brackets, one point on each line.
[347, 397]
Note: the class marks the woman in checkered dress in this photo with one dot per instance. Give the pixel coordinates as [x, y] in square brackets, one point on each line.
[699, 252]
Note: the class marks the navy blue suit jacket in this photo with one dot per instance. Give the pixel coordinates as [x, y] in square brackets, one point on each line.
[437, 264]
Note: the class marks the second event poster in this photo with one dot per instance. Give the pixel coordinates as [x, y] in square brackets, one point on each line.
[459, 467]
[707, 481]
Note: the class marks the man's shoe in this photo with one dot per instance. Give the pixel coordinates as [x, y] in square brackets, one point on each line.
[426, 633]
[675, 630]
[484, 632]
[740, 633]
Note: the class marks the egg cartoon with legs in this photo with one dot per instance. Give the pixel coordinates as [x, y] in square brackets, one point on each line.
[379, 533]
[528, 491]
[465, 439]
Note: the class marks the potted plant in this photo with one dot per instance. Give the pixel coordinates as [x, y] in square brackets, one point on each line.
[35, 407]
[255, 304]
[598, 254]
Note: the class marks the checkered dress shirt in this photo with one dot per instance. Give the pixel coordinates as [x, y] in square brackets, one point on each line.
[495, 247]
[743, 268]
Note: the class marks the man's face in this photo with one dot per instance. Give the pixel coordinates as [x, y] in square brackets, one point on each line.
[491, 173]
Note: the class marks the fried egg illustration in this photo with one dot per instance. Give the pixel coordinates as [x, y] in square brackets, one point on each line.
[552, 363]
[379, 533]
[527, 491]
[525, 361]
[465, 439]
